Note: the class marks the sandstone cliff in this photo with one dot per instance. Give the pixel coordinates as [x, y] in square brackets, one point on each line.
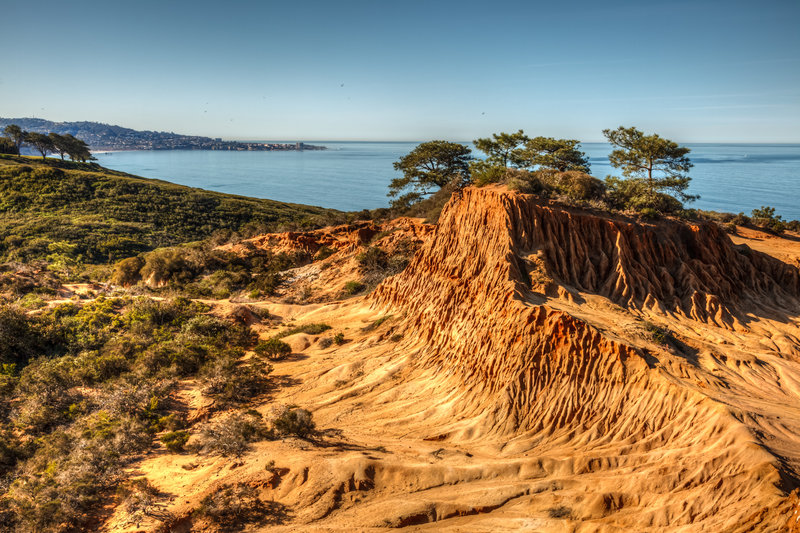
[534, 367]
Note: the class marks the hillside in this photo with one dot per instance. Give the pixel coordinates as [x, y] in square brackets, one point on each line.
[521, 365]
[534, 367]
[103, 215]
[101, 136]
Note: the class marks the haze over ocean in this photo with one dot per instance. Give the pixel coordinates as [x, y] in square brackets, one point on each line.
[355, 175]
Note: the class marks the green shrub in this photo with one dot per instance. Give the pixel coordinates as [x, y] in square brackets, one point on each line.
[658, 334]
[231, 436]
[230, 381]
[309, 329]
[139, 500]
[293, 422]
[574, 185]
[231, 507]
[353, 287]
[339, 339]
[127, 272]
[324, 253]
[175, 440]
[635, 194]
[648, 213]
[484, 173]
[273, 349]
[765, 217]
[373, 258]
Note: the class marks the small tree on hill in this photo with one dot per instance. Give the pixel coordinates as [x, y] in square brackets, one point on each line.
[655, 168]
[77, 149]
[429, 167]
[503, 149]
[43, 143]
[16, 134]
[60, 144]
[556, 154]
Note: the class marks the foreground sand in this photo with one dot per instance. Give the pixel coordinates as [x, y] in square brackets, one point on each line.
[535, 368]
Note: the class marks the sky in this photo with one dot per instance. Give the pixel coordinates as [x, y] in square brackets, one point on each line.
[692, 71]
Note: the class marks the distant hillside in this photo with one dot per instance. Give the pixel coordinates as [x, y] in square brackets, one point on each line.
[107, 137]
[103, 215]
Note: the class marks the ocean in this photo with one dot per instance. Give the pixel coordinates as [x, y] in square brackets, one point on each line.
[354, 175]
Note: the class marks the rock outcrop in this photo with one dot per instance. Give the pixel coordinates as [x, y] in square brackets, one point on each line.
[483, 315]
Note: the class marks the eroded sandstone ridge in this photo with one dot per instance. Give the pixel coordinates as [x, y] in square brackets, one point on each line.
[497, 300]
[535, 367]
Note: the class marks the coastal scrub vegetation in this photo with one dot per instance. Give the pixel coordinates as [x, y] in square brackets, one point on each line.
[87, 387]
[655, 171]
[654, 182]
[86, 214]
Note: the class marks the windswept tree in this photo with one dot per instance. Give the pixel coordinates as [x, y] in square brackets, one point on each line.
[656, 170]
[16, 134]
[77, 149]
[429, 167]
[43, 143]
[556, 154]
[503, 149]
[60, 144]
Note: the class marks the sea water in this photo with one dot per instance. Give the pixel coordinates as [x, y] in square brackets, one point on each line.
[355, 175]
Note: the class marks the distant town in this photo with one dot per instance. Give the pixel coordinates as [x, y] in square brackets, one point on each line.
[104, 137]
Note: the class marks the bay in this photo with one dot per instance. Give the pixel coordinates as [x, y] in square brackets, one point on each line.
[354, 175]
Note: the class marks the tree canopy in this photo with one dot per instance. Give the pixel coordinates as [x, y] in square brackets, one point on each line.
[75, 148]
[428, 167]
[16, 134]
[654, 167]
[557, 154]
[503, 149]
[43, 143]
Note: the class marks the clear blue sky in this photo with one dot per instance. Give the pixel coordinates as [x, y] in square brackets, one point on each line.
[692, 70]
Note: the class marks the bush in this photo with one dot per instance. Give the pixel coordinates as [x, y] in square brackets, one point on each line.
[308, 329]
[232, 382]
[648, 213]
[373, 258]
[484, 173]
[324, 253]
[635, 195]
[175, 440]
[231, 436]
[353, 287]
[138, 500]
[765, 217]
[273, 349]
[21, 337]
[7, 146]
[232, 506]
[574, 185]
[741, 219]
[658, 334]
[339, 339]
[293, 422]
[126, 272]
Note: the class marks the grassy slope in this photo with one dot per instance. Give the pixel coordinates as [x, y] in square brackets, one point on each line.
[102, 214]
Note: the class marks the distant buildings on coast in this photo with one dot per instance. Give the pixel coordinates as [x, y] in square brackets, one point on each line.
[104, 137]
